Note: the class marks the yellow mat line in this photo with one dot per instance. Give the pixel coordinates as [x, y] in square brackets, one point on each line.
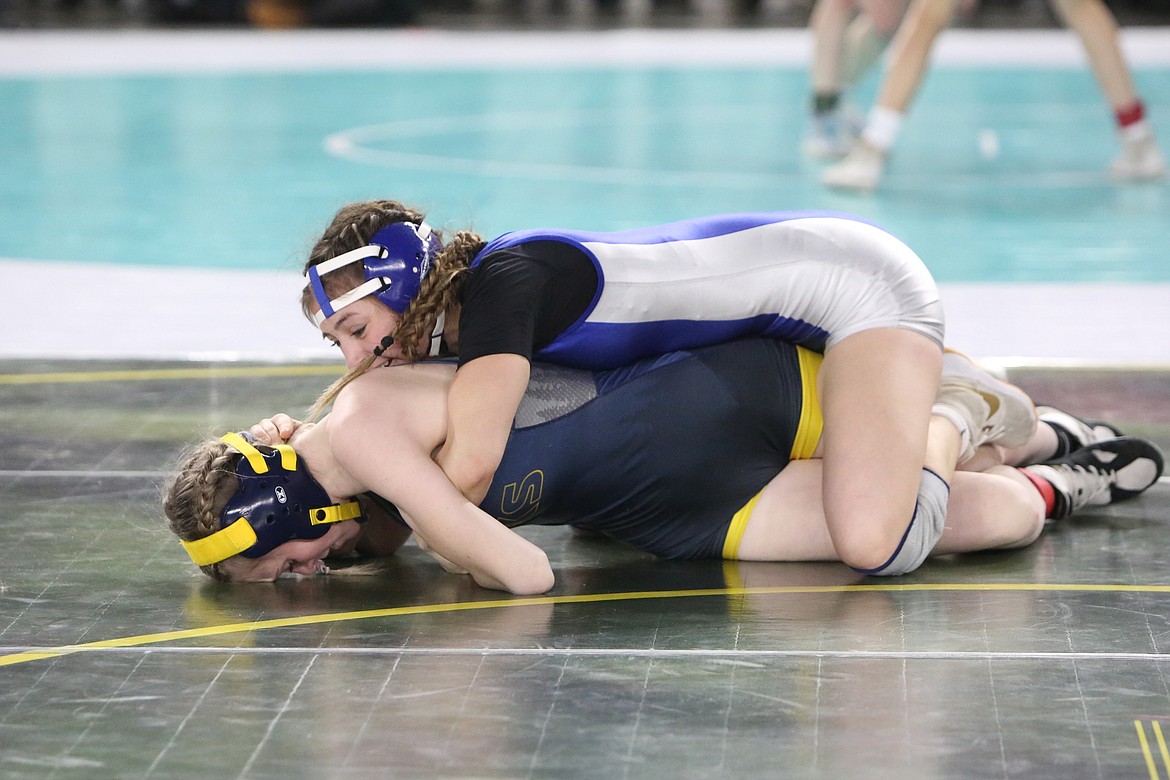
[1151, 765]
[335, 617]
[1162, 749]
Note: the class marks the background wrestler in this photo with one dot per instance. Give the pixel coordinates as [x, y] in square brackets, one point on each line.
[830, 282]
[1095, 26]
[733, 498]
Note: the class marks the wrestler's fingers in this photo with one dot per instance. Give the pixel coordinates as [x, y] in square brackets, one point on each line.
[285, 425]
[265, 432]
[273, 430]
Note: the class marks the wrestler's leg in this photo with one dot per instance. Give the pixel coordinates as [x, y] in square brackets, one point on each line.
[994, 510]
[877, 388]
[1057, 434]
[998, 509]
[828, 22]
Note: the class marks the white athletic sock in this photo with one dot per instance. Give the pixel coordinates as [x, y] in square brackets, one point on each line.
[1136, 132]
[882, 127]
[952, 416]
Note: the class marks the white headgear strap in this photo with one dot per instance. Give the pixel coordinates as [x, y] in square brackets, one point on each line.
[369, 287]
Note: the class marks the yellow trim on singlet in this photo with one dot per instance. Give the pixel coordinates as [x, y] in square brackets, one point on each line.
[808, 430]
[738, 525]
[804, 443]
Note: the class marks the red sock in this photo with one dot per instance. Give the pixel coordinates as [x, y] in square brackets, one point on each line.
[1047, 492]
[1131, 114]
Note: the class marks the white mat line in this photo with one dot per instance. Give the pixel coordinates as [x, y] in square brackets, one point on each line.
[617, 652]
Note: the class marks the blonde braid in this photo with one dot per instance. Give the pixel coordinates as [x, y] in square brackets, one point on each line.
[197, 493]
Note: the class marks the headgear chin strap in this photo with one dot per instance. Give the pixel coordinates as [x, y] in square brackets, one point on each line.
[395, 262]
[277, 501]
[437, 334]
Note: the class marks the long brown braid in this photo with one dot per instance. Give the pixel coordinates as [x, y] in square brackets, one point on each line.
[197, 493]
[437, 292]
[352, 227]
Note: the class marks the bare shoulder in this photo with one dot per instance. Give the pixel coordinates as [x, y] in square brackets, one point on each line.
[405, 401]
[400, 382]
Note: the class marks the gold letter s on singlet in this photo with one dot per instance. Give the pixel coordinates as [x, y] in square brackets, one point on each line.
[521, 500]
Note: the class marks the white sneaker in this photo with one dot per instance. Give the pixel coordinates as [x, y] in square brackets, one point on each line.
[1081, 433]
[859, 171]
[831, 135]
[995, 411]
[1103, 473]
[1140, 160]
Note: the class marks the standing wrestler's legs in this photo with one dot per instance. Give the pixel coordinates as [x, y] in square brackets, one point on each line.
[1096, 26]
[877, 388]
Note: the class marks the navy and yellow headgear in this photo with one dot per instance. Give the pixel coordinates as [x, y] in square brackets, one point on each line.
[277, 501]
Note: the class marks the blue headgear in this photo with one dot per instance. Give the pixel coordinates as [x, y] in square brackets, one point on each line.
[276, 502]
[396, 261]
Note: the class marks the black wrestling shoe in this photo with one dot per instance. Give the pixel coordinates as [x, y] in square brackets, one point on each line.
[1077, 432]
[1102, 473]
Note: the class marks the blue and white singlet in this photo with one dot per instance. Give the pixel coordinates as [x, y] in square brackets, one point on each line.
[809, 277]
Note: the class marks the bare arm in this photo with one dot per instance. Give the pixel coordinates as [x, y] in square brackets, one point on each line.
[481, 406]
[383, 436]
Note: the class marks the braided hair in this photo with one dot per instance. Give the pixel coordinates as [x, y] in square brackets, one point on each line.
[196, 495]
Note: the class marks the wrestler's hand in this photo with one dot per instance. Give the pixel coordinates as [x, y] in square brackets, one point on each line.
[448, 567]
[277, 429]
